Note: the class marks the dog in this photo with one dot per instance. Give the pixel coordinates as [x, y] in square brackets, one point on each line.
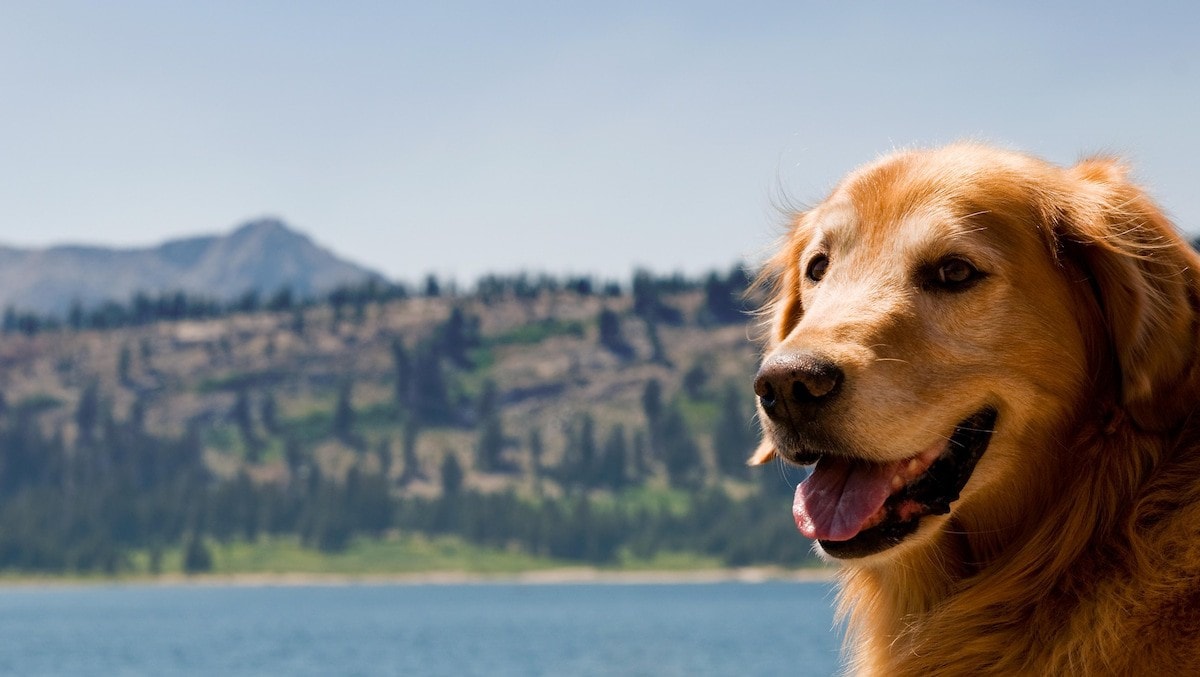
[990, 362]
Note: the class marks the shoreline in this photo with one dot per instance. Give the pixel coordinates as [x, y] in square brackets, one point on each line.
[560, 576]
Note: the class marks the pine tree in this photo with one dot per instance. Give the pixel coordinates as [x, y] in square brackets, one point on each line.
[269, 413]
[658, 352]
[383, 452]
[431, 405]
[458, 335]
[432, 288]
[612, 470]
[652, 402]
[586, 448]
[412, 465]
[579, 463]
[298, 324]
[196, 557]
[75, 315]
[723, 297]
[343, 414]
[680, 452]
[404, 374]
[337, 301]
[536, 450]
[609, 324]
[640, 462]
[452, 475]
[282, 300]
[124, 362]
[536, 454]
[294, 457]
[137, 416]
[695, 380]
[491, 440]
[88, 412]
[245, 423]
[645, 294]
[733, 434]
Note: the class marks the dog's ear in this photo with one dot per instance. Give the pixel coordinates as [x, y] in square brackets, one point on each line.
[1144, 276]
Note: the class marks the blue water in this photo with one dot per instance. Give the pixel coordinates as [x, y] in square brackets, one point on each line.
[487, 629]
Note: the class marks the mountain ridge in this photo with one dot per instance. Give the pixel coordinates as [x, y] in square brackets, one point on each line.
[262, 255]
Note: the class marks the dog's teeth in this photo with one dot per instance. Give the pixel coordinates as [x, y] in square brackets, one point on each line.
[897, 482]
[914, 467]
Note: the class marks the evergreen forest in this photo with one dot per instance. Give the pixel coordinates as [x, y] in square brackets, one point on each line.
[569, 420]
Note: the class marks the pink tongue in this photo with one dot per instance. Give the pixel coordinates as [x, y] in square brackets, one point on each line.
[840, 496]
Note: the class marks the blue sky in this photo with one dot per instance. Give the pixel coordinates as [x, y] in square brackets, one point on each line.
[461, 138]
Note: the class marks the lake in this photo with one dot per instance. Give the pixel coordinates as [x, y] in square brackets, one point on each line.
[742, 629]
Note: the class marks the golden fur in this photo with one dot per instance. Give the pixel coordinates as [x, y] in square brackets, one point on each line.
[1075, 546]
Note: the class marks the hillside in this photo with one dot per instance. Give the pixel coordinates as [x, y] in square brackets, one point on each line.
[261, 256]
[546, 418]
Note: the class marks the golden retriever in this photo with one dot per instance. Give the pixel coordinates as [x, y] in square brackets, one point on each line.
[991, 364]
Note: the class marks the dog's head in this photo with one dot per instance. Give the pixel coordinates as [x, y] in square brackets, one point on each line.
[942, 316]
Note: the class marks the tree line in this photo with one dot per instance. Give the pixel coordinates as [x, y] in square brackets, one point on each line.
[87, 507]
[723, 292]
[87, 494]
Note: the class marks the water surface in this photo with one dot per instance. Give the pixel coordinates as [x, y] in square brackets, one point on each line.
[741, 629]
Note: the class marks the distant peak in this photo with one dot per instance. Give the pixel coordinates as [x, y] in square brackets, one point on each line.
[266, 225]
[263, 255]
[268, 232]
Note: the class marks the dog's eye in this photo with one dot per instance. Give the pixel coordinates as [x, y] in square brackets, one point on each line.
[953, 274]
[817, 267]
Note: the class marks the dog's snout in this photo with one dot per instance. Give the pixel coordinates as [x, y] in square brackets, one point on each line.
[798, 379]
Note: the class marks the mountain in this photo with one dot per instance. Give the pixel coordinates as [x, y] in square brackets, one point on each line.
[263, 256]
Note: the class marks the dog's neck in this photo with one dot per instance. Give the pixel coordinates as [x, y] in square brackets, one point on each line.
[981, 584]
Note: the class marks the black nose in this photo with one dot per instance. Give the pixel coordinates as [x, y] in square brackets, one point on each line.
[801, 379]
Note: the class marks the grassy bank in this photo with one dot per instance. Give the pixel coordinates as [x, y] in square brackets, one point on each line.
[412, 558]
[396, 555]
[363, 556]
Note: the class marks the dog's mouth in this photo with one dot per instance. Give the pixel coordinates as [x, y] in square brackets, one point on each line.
[855, 508]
